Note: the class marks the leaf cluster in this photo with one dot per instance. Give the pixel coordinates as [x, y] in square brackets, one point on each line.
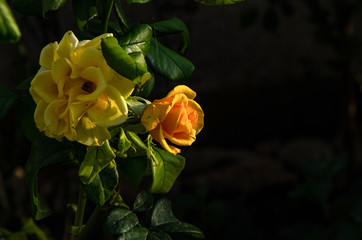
[161, 224]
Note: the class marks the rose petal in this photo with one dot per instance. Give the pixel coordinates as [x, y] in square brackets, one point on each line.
[182, 89]
[122, 84]
[44, 87]
[89, 134]
[150, 117]
[48, 55]
[94, 76]
[157, 134]
[109, 110]
[196, 115]
[67, 44]
[94, 57]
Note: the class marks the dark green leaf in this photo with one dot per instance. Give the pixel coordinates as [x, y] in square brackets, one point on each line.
[138, 107]
[101, 188]
[172, 26]
[143, 202]
[168, 63]
[84, 10]
[25, 117]
[132, 66]
[7, 99]
[134, 169]
[51, 5]
[119, 220]
[95, 25]
[218, 2]
[165, 169]
[136, 141]
[95, 160]
[181, 227]
[24, 85]
[158, 235]
[44, 151]
[164, 220]
[148, 87]
[137, 233]
[9, 30]
[37, 7]
[123, 144]
[137, 39]
[28, 6]
[138, 1]
[162, 213]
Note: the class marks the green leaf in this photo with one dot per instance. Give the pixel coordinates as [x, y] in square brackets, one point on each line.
[168, 63]
[162, 213]
[44, 151]
[137, 106]
[137, 39]
[123, 144]
[218, 2]
[165, 169]
[24, 85]
[51, 5]
[173, 26]
[136, 141]
[37, 7]
[95, 25]
[138, 1]
[7, 99]
[143, 202]
[30, 228]
[33, 7]
[101, 188]
[137, 233]
[119, 220]
[163, 219]
[9, 30]
[95, 160]
[132, 66]
[134, 169]
[84, 10]
[181, 227]
[158, 235]
[148, 87]
[25, 118]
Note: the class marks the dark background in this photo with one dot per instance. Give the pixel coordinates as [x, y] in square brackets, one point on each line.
[279, 156]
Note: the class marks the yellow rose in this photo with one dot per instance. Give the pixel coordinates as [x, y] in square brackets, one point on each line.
[176, 117]
[78, 95]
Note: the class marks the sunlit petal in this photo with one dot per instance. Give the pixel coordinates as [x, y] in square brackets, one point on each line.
[68, 42]
[109, 110]
[44, 87]
[90, 134]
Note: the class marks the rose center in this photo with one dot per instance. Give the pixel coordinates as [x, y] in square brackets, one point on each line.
[89, 86]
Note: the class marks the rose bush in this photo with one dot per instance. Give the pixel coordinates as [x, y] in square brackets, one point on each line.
[176, 117]
[78, 95]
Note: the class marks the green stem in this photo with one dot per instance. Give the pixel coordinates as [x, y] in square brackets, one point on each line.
[107, 15]
[87, 229]
[121, 16]
[82, 200]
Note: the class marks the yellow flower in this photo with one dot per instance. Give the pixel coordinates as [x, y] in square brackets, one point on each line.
[176, 117]
[78, 95]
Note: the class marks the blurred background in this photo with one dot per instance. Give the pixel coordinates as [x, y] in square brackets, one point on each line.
[280, 154]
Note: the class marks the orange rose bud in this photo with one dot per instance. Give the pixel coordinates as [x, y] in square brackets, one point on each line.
[176, 117]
